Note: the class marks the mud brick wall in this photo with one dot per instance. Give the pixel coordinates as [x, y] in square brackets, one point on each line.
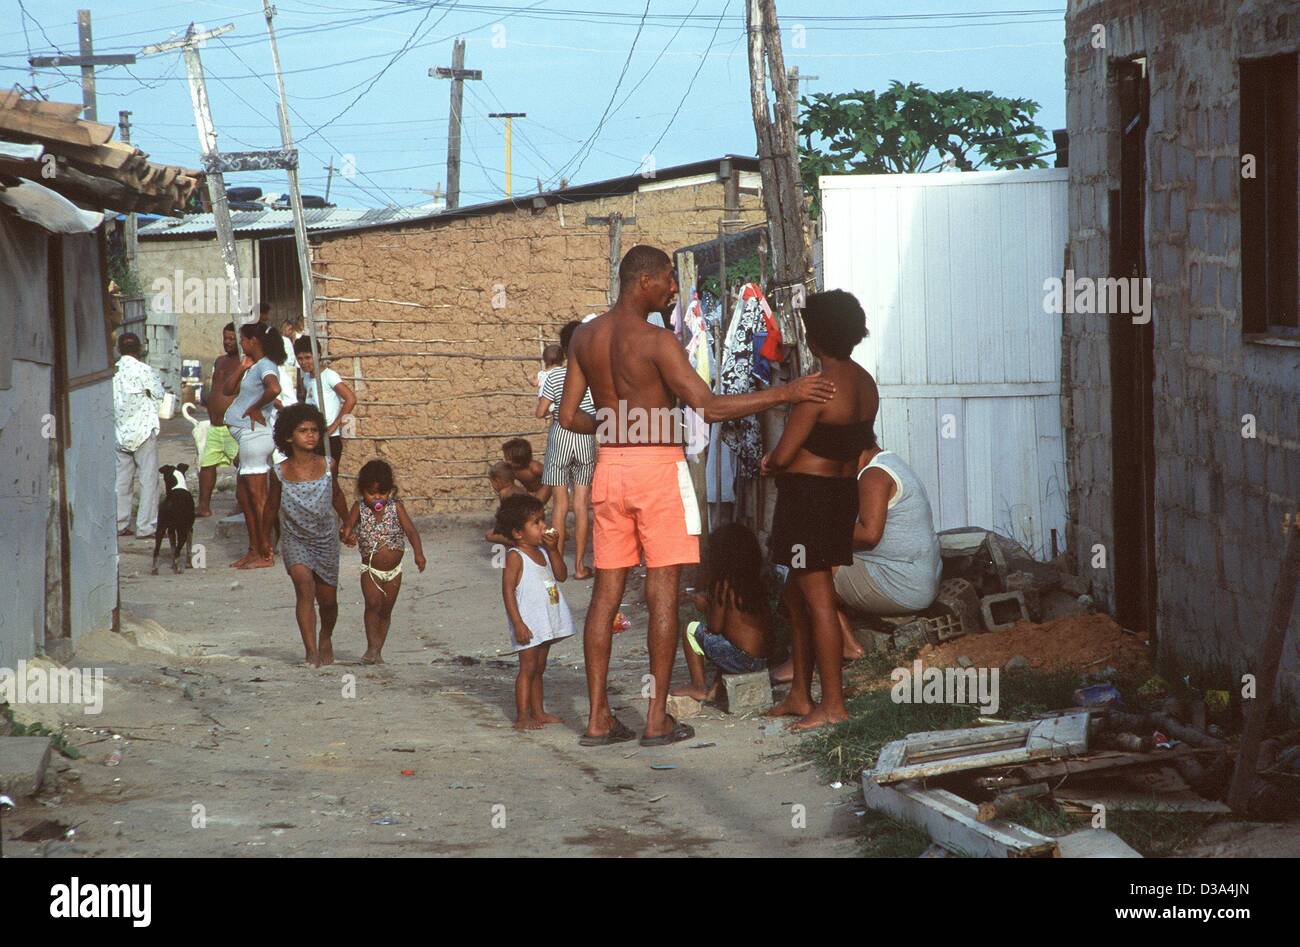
[488, 293]
[1220, 498]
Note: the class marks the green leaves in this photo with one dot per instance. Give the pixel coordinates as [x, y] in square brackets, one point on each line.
[909, 129]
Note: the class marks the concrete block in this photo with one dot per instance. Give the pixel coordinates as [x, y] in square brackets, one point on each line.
[23, 761]
[1003, 610]
[748, 692]
[959, 599]
[683, 707]
[914, 634]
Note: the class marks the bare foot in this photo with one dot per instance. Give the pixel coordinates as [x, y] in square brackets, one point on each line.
[790, 707]
[243, 560]
[782, 673]
[690, 690]
[549, 718]
[369, 658]
[326, 651]
[312, 660]
[528, 723]
[202, 512]
[853, 654]
[818, 718]
[260, 562]
[583, 574]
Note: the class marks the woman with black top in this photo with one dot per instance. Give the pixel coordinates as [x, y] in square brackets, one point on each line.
[817, 503]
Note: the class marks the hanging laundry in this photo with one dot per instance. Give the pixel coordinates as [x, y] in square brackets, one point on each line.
[748, 320]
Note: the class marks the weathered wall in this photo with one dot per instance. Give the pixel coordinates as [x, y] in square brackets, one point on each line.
[24, 508]
[90, 464]
[1220, 497]
[199, 333]
[440, 420]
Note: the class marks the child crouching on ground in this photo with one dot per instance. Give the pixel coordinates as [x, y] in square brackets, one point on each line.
[536, 612]
[735, 637]
[518, 453]
[380, 523]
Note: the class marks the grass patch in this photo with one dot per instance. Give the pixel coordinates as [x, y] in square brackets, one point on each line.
[1158, 834]
[57, 739]
[1045, 818]
[883, 836]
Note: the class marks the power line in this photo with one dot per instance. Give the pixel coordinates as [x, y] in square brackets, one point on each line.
[691, 84]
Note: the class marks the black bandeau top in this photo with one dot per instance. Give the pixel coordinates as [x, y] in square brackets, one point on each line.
[842, 442]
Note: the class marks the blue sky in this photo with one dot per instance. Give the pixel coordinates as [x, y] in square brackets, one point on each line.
[557, 60]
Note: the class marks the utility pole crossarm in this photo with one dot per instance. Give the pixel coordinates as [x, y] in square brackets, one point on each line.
[190, 39]
[457, 73]
[54, 62]
[442, 72]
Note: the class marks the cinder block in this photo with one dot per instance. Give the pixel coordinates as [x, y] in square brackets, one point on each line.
[682, 707]
[960, 600]
[1003, 610]
[748, 692]
[23, 761]
[914, 634]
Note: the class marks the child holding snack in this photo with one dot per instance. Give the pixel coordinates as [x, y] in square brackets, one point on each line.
[382, 527]
[735, 637]
[536, 612]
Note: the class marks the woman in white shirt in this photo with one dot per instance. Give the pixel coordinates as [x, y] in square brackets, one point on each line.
[255, 386]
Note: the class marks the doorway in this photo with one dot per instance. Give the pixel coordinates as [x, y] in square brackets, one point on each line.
[1132, 370]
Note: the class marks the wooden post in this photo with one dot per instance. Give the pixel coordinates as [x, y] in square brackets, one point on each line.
[457, 74]
[129, 241]
[299, 222]
[189, 46]
[86, 46]
[1242, 787]
[615, 220]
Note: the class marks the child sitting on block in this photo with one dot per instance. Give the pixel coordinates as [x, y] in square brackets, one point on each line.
[518, 453]
[735, 638]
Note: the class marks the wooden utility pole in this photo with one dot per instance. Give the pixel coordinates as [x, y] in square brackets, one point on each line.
[129, 231]
[189, 46]
[329, 168]
[457, 74]
[616, 222]
[778, 156]
[87, 61]
[1242, 789]
[299, 222]
[509, 117]
[795, 79]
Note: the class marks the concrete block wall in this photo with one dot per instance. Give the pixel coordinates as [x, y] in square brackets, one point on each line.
[432, 287]
[1220, 496]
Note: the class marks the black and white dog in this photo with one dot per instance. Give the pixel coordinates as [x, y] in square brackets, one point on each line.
[175, 517]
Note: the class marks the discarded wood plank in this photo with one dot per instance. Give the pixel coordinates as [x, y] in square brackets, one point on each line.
[1094, 843]
[921, 755]
[1098, 762]
[1162, 789]
[952, 822]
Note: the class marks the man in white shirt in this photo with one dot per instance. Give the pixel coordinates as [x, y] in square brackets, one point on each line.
[137, 390]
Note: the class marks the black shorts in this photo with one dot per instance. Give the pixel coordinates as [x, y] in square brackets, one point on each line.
[336, 449]
[813, 524]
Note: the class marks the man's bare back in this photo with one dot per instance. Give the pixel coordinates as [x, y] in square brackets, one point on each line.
[618, 355]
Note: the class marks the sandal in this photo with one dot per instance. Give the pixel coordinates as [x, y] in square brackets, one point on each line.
[679, 732]
[618, 733]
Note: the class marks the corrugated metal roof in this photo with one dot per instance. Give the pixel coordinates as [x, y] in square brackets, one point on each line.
[263, 221]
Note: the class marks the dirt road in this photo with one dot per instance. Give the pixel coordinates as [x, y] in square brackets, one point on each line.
[421, 760]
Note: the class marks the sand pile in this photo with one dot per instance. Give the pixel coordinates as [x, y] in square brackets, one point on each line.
[1087, 642]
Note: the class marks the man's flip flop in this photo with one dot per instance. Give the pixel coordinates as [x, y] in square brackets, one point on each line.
[618, 733]
[679, 732]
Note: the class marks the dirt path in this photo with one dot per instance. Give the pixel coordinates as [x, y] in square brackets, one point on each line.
[284, 764]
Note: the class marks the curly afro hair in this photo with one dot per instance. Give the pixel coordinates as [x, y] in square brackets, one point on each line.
[289, 419]
[835, 322]
[515, 512]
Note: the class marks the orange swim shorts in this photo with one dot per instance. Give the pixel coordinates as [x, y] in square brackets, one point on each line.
[645, 505]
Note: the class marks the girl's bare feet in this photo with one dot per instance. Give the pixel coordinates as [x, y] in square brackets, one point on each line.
[549, 718]
[243, 560]
[818, 718]
[312, 660]
[528, 723]
[690, 690]
[260, 562]
[372, 658]
[326, 651]
[790, 707]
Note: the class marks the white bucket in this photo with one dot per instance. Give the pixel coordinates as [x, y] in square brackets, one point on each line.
[167, 406]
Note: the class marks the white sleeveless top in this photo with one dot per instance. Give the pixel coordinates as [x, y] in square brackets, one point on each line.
[547, 619]
[906, 564]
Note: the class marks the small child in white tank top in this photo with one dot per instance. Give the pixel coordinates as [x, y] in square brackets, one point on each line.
[536, 612]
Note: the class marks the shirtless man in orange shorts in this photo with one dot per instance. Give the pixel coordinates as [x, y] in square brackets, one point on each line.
[642, 490]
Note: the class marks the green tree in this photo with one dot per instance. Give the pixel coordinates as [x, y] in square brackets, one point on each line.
[909, 129]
